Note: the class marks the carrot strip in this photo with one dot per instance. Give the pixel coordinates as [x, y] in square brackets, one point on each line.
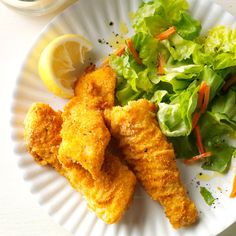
[196, 118]
[119, 53]
[206, 99]
[133, 51]
[198, 157]
[166, 34]
[202, 103]
[200, 146]
[201, 94]
[229, 83]
[233, 191]
[161, 62]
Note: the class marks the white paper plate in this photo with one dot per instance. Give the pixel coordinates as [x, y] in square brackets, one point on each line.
[145, 217]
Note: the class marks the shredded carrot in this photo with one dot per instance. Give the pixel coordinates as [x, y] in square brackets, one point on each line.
[233, 192]
[202, 103]
[203, 100]
[198, 157]
[229, 83]
[119, 53]
[166, 34]
[133, 51]
[196, 118]
[161, 62]
[206, 99]
[200, 146]
[201, 94]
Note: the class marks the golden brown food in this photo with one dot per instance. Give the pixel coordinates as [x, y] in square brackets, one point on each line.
[84, 136]
[97, 88]
[112, 191]
[152, 158]
[42, 126]
[109, 195]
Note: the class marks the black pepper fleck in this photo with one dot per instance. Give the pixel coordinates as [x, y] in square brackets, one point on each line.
[111, 23]
[198, 182]
[200, 173]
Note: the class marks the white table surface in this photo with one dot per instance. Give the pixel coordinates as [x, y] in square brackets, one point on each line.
[20, 214]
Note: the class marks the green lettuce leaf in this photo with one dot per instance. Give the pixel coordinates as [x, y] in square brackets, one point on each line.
[218, 49]
[226, 106]
[215, 135]
[180, 77]
[149, 18]
[133, 80]
[122, 67]
[187, 27]
[213, 79]
[207, 196]
[158, 96]
[147, 47]
[126, 94]
[143, 82]
[179, 48]
[175, 118]
[173, 8]
[185, 147]
[221, 158]
[200, 57]
[155, 16]
[221, 39]
[224, 60]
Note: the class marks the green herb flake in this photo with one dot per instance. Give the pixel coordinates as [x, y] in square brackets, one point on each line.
[207, 196]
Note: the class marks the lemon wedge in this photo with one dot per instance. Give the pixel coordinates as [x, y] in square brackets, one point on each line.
[60, 61]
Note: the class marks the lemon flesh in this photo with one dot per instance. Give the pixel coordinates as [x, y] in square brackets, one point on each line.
[60, 61]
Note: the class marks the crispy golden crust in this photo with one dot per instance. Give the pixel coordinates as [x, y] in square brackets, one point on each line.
[41, 133]
[112, 191]
[97, 88]
[151, 158]
[84, 136]
[109, 195]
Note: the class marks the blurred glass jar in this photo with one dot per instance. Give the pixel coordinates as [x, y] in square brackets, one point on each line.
[38, 7]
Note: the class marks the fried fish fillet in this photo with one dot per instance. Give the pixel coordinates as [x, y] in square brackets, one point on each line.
[84, 136]
[97, 88]
[41, 128]
[112, 191]
[109, 195]
[152, 159]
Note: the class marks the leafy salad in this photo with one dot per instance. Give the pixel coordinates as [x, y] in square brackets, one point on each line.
[188, 76]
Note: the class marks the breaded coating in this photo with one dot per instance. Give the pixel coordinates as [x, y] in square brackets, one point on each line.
[152, 158]
[84, 136]
[112, 191]
[42, 126]
[109, 195]
[97, 88]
